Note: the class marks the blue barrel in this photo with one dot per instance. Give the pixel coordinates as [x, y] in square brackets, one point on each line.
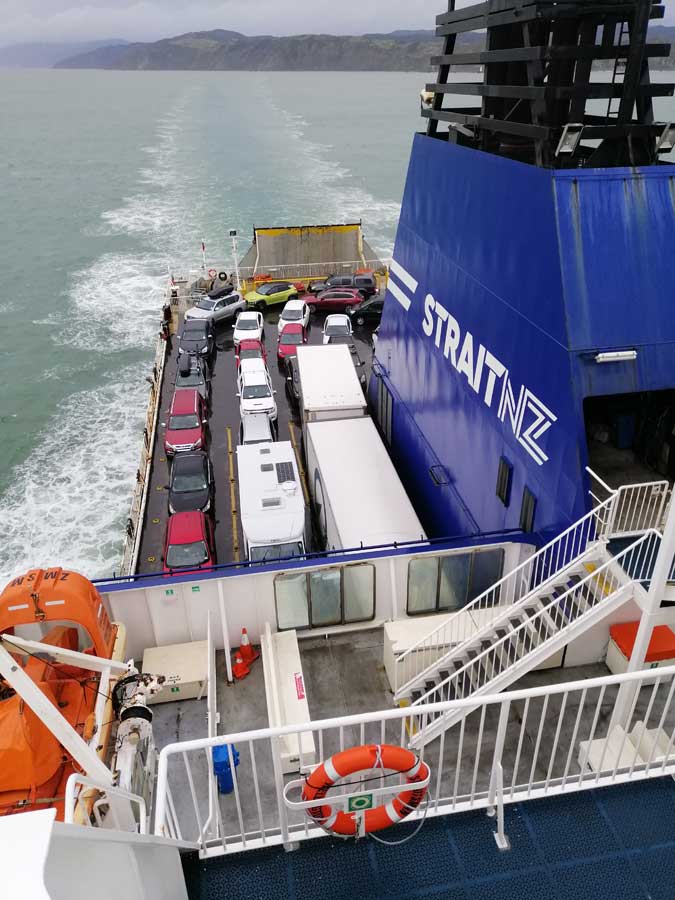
[222, 769]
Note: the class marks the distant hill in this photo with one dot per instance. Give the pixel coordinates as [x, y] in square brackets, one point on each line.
[46, 56]
[227, 50]
[221, 50]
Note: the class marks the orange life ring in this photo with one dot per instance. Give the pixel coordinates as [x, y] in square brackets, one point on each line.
[212, 273]
[360, 759]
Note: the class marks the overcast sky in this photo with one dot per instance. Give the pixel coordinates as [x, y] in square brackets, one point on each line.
[65, 20]
[58, 20]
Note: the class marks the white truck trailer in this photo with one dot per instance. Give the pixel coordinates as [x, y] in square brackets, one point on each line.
[271, 502]
[329, 386]
[358, 497]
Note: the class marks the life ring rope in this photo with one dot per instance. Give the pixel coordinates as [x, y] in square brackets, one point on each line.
[212, 273]
[371, 757]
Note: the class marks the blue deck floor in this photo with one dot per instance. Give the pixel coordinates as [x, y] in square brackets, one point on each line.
[615, 843]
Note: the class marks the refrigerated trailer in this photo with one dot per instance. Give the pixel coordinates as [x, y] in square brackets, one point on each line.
[358, 497]
[329, 385]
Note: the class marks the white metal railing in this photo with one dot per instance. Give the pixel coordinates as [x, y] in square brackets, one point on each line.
[632, 509]
[83, 802]
[312, 270]
[611, 582]
[511, 747]
[139, 497]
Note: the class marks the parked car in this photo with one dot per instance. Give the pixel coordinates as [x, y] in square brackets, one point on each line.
[193, 374]
[369, 312]
[189, 544]
[186, 428]
[270, 294]
[255, 390]
[249, 350]
[191, 484]
[292, 337]
[196, 338]
[337, 327]
[364, 282]
[219, 310]
[292, 373]
[344, 299]
[295, 311]
[257, 428]
[248, 327]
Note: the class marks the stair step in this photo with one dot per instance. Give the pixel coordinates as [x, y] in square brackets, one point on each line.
[429, 686]
[443, 674]
[415, 696]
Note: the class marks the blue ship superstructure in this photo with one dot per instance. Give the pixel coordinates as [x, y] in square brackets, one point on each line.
[531, 293]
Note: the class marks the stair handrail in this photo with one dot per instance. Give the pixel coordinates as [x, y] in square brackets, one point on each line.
[601, 523]
[599, 573]
[516, 583]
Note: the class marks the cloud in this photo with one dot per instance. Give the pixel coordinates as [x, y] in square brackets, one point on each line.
[60, 20]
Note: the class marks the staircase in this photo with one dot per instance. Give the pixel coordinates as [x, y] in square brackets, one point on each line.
[532, 613]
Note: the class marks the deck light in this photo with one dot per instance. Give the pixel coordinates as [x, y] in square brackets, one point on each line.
[570, 139]
[616, 356]
[667, 140]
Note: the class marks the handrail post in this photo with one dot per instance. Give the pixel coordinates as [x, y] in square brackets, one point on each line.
[501, 838]
[648, 617]
[504, 711]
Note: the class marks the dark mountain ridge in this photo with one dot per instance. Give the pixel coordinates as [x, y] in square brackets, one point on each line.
[222, 50]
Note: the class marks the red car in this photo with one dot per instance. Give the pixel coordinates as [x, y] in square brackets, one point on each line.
[186, 428]
[336, 300]
[189, 544]
[292, 337]
[250, 350]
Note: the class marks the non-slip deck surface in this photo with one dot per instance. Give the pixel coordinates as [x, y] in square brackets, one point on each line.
[610, 844]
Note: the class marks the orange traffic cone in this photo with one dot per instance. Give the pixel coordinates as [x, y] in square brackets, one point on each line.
[239, 669]
[248, 652]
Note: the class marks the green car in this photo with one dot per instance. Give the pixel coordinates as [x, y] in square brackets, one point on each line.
[270, 294]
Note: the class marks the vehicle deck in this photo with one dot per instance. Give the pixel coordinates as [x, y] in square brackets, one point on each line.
[224, 433]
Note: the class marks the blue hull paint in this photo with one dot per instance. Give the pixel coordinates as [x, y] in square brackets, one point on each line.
[542, 269]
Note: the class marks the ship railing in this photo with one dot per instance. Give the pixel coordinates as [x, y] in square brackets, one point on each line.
[134, 525]
[635, 511]
[90, 803]
[313, 270]
[512, 747]
[631, 510]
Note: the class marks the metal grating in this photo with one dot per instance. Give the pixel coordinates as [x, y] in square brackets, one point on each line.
[564, 84]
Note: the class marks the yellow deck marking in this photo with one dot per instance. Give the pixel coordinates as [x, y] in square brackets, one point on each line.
[156, 521]
[233, 496]
[301, 468]
[411, 723]
[152, 559]
[602, 582]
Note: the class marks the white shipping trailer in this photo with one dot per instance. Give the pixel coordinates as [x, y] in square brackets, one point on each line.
[358, 497]
[329, 386]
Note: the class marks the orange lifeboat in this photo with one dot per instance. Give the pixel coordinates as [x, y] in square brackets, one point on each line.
[64, 610]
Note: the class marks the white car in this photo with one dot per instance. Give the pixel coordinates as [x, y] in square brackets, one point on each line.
[248, 327]
[217, 311]
[255, 391]
[337, 329]
[295, 311]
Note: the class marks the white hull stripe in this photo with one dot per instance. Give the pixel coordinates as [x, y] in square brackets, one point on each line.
[396, 292]
[403, 276]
